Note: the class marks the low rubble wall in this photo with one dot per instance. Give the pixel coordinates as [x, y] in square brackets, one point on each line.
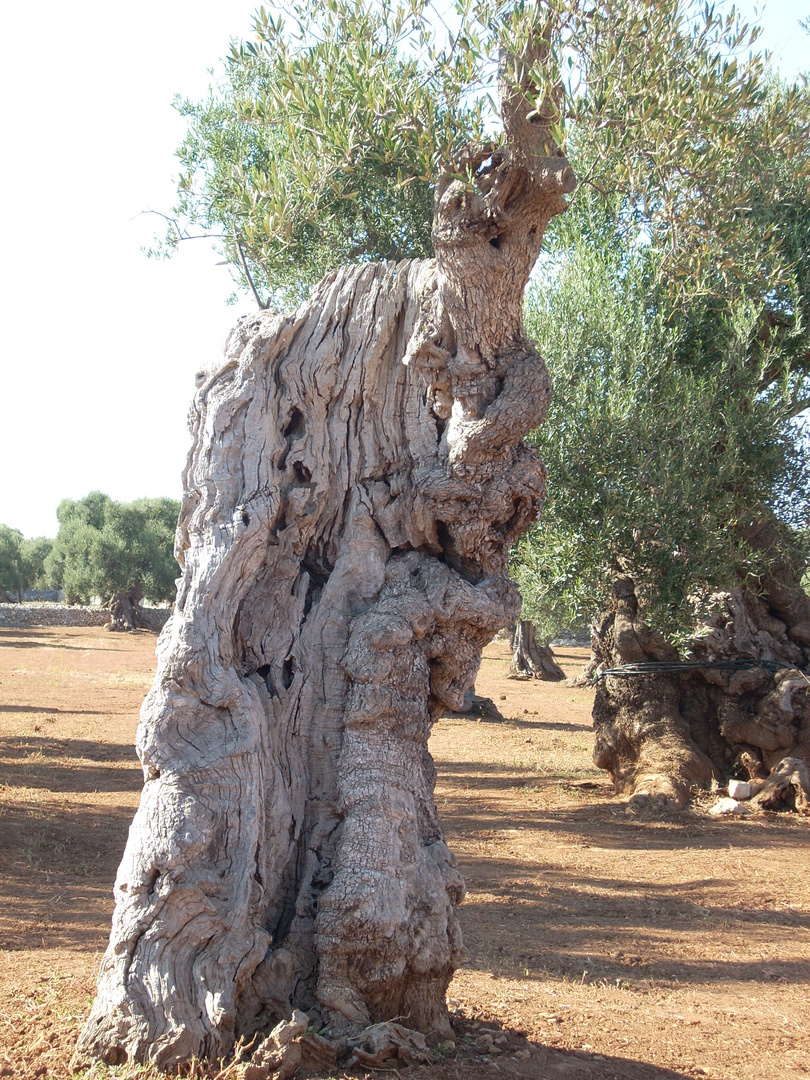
[23, 615]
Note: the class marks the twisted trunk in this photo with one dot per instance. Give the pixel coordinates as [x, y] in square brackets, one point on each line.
[356, 478]
[530, 660]
[125, 610]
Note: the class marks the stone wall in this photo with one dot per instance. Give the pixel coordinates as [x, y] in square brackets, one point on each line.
[23, 615]
[155, 617]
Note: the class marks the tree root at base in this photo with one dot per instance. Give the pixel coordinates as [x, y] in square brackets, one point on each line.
[290, 1046]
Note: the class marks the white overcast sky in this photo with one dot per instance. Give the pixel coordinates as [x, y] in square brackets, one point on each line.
[98, 344]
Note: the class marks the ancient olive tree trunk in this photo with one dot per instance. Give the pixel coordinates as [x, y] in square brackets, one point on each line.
[125, 610]
[661, 734]
[530, 660]
[356, 478]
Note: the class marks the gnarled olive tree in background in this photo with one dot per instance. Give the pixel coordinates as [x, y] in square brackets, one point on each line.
[676, 454]
[672, 308]
[676, 418]
[357, 476]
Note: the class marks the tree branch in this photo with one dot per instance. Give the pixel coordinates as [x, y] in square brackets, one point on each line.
[246, 270]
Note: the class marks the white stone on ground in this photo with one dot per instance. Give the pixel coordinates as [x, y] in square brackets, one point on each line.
[739, 789]
[728, 807]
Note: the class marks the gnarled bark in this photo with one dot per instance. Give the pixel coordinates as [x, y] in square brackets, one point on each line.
[787, 786]
[661, 734]
[356, 478]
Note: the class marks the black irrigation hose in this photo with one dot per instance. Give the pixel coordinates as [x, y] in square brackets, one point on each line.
[629, 671]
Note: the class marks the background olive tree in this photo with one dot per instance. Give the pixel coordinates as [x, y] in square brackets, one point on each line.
[111, 550]
[22, 562]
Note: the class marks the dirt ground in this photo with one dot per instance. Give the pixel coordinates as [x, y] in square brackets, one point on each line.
[598, 944]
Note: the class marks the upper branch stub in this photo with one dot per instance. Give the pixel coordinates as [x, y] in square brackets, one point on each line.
[523, 181]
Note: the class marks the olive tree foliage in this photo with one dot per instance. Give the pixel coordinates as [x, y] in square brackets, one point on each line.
[673, 311]
[667, 430]
[322, 141]
[22, 562]
[11, 569]
[322, 144]
[104, 547]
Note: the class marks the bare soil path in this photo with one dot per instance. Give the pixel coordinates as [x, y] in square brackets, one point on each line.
[598, 945]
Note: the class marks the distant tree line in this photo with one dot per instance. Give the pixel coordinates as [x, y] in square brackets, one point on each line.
[103, 549]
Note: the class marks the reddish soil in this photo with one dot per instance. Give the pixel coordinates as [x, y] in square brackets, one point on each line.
[598, 944]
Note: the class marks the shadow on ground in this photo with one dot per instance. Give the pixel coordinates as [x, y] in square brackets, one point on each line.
[69, 765]
[534, 1061]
